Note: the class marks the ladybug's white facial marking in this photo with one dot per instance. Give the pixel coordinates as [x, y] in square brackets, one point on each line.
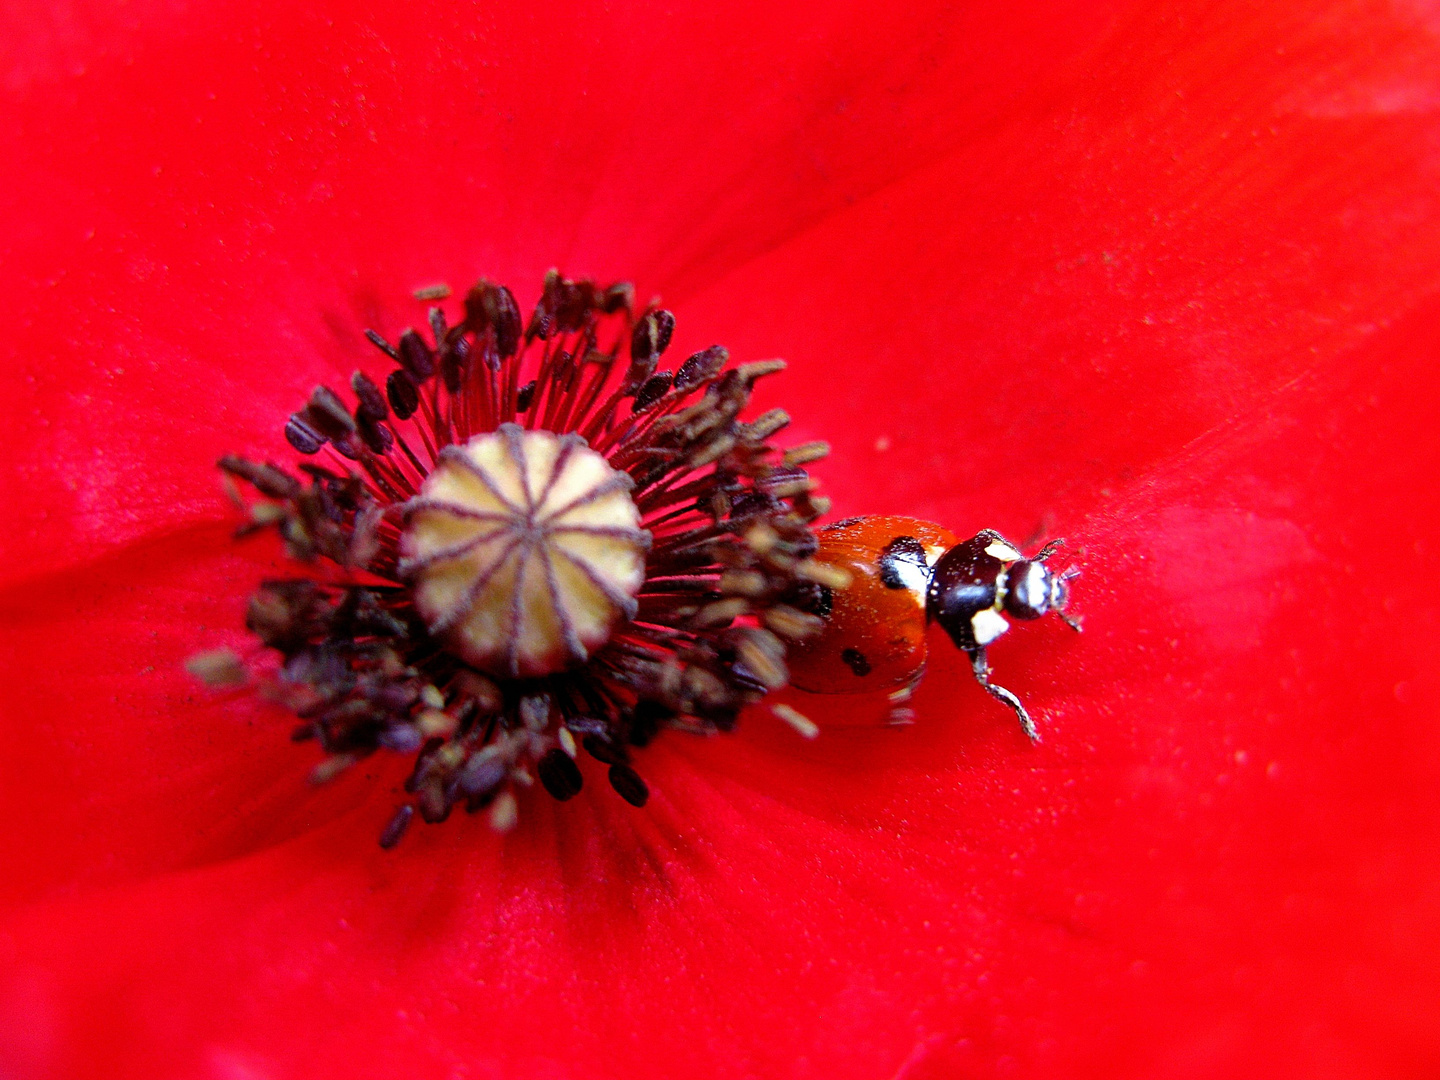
[1004, 552]
[987, 625]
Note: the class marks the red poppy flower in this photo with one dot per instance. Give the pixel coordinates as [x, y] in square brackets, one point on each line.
[1163, 280]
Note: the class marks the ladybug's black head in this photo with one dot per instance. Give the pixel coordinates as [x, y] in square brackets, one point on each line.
[1031, 590]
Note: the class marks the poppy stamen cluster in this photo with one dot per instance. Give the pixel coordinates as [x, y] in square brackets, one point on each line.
[526, 540]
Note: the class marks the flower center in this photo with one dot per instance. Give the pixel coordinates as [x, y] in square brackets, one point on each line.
[524, 551]
[539, 542]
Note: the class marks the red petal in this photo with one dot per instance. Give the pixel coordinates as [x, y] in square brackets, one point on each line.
[213, 214]
[1165, 283]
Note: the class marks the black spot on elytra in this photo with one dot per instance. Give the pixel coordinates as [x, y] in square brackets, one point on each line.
[899, 556]
[856, 662]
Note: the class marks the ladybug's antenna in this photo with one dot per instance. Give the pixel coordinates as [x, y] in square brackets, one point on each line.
[1049, 549]
[1072, 621]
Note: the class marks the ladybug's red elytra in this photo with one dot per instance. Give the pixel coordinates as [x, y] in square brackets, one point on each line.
[904, 574]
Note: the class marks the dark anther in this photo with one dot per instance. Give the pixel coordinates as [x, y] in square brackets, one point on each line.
[617, 297]
[417, 357]
[576, 301]
[766, 424]
[811, 597]
[542, 322]
[645, 721]
[753, 504]
[651, 335]
[375, 437]
[724, 717]
[665, 322]
[507, 322]
[525, 396]
[434, 805]
[560, 775]
[393, 697]
[396, 829]
[453, 362]
[701, 367]
[404, 395]
[302, 436]
[383, 345]
[347, 446]
[422, 763]
[534, 710]
[653, 390]
[588, 725]
[641, 368]
[482, 774]
[319, 473]
[780, 479]
[267, 479]
[760, 653]
[372, 402]
[856, 662]
[285, 613]
[627, 782]
[902, 564]
[493, 306]
[479, 306]
[745, 679]
[602, 749]
[475, 803]
[401, 738]
[360, 613]
[327, 414]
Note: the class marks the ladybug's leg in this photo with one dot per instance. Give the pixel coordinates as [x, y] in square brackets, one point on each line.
[981, 668]
[900, 713]
[1072, 621]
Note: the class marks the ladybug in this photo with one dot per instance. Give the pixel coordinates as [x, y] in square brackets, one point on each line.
[904, 575]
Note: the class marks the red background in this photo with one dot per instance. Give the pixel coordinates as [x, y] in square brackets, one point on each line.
[1166, 282]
